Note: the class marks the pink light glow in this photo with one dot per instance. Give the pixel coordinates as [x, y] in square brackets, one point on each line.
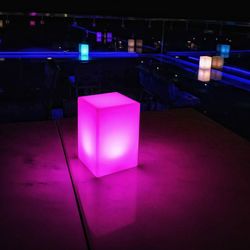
[108, 132]
[33, 13]
[32, 23]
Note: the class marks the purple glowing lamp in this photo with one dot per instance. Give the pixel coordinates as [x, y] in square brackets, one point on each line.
[98, 37]
[108, 132]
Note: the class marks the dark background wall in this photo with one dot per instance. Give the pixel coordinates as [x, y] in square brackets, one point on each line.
[221, 10]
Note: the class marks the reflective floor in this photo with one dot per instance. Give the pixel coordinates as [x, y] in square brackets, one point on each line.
[189, 191]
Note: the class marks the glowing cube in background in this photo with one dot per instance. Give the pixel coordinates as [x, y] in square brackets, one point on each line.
[108, 132]
[83, 52]
[139, 43]
[84, 49]
[204, 75]
[223, 48]
[109, 37]
[205, 62]
[98, 37]
[131, 45]
[217, 62]
[131, 42]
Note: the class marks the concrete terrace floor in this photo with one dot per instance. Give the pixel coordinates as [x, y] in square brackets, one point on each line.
[191, 189]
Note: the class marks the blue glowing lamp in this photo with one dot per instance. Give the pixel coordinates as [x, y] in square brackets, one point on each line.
[83, 52]
[83, 49]
[223, 48]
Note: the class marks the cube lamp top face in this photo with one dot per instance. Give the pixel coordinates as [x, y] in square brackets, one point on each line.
[107, 100]
[108, 132]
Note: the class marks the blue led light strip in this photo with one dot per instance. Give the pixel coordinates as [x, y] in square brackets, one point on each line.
[58, 54]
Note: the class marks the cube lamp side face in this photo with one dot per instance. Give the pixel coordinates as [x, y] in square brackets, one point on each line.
[87, 120]
[118, 138]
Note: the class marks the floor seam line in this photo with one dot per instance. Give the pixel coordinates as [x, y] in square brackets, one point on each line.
[76, 195]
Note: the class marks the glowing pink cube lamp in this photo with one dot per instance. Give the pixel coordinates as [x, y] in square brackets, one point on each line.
[108, 132]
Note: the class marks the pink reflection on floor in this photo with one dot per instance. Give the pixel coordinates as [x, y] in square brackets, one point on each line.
[110, 202]
[37, 203]
[181, 196]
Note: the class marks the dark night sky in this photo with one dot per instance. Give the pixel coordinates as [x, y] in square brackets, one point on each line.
[220, 10]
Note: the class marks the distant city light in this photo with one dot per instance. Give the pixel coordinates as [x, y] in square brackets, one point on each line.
[33, 13]
[32, 23]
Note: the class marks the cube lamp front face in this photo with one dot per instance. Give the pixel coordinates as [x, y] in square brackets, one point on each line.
[205, 62]
[108, 132]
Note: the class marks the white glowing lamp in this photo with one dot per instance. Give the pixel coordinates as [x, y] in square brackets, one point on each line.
[108, 132]
[205, 62]
[204, 75]
[131, 43]
[217, 62]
